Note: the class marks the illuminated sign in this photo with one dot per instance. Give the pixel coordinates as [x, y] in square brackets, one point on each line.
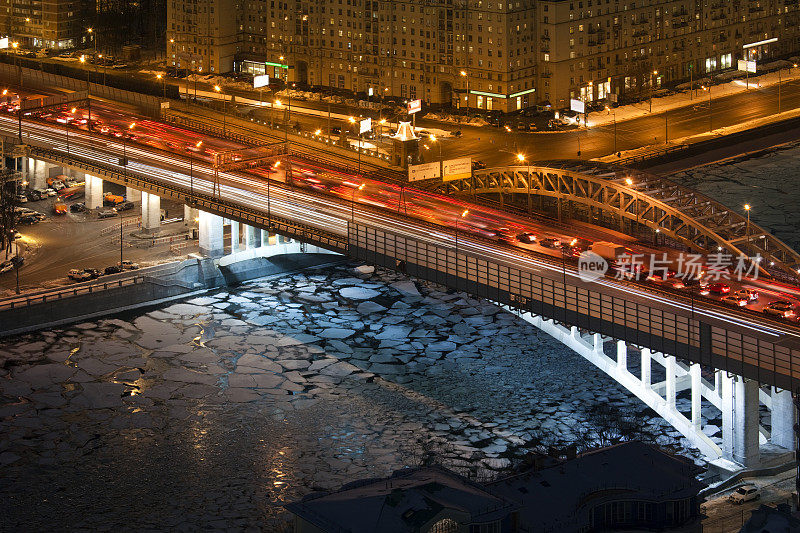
[456, 169]
[577, 105]
[260, 81]
[424, 172]
[414, 106]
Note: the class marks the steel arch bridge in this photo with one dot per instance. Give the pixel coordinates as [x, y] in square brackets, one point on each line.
[677, 212]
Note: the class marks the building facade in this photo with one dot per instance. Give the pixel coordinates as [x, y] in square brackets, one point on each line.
[55, 24]
[485, 54]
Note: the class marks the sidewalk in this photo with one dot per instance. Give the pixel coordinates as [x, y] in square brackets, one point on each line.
[684, 99]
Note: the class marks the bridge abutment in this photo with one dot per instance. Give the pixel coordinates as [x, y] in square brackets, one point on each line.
[210, 234]
[151, 212]
[93, 191]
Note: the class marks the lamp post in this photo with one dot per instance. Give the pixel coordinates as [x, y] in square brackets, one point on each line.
[353, 201]
[353, 122]
[463, 215]
[629, 183]
[747, 210]
[66, 127]
[521, 159]
[15, 45]
[434, 139]
[269, 210]
[655, 73]
[466, 98]
[124, 144]
[288, 101]
[710, 118]
[218, 89]
[163, 83]
[198, 144]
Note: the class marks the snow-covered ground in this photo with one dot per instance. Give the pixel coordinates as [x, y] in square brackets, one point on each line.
[220, 409]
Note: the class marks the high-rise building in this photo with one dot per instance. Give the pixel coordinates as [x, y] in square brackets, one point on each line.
[486, 54]
[202, 35]
[45, 23]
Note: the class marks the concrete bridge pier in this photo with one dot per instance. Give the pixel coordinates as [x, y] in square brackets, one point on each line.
[252, 238]
[133, 195]
[191, 216]
[93, 192]
[236, 238]
[210, 234]
[151, 212]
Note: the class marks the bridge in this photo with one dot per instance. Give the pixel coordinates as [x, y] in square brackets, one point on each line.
[752, 360]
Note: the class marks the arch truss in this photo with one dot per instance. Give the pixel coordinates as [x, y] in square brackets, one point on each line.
[677, 212]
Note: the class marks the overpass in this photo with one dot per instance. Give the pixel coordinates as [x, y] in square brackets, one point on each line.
[748, 353]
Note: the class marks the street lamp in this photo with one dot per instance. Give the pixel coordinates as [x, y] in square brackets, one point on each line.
[433, 139]
[353, 201]
[124, 144]
[198, 144]
[747, 209]
[655, 73]
[218, 89]
[463, 215]
[466, 78]
[710, 119]
[163, 83]
[521, 159]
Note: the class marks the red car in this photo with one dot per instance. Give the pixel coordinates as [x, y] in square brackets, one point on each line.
[720, 288]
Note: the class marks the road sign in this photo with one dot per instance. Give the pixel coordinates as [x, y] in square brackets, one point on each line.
[164, 105]
[747, 66]
[456, 169]
[414, 106]
[260, 81]
[424, 172]
[577, 105]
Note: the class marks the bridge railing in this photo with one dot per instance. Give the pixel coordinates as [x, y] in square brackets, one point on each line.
[25, 300]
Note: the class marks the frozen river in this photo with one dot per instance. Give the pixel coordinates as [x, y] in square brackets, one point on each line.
[218, 410]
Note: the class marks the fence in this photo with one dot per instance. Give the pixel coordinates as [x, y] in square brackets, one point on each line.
[125, 223]
[59, 294]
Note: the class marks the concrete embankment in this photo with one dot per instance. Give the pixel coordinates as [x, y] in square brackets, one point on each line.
[141, 289]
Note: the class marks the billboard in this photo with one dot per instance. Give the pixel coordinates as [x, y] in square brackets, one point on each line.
[4, 42]
[365, 126]
[424, 172]
[414, 106]
[577, 105]
[747, 66]
[456, 169]
[260, 81]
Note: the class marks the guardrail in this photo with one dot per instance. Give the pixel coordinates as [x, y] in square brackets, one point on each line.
[126, 223]
[59, 294]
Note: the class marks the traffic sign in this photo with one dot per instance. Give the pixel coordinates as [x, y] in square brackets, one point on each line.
[577, 105]
[414, 106]
[260, 81]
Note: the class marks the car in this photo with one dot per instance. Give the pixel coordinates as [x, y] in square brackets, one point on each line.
[719, 288]
[527, 238]
[14, 234]
[79, 275]
[58, 185]
[93, 273]
[112, 199]
[550, 242]
[34, 196]
[780, 309]
[734, 301]
[78, 208]
[745, 493]
[113, 269]
[749, 295]
[60, 208]
[127, 264]
[125, 206]
[21, 198]
[6, 266]
[336, 130]
[51, 181]
[28, 219]
[106, 213]
[50, 192]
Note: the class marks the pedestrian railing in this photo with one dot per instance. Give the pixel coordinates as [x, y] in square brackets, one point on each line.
[26, 300]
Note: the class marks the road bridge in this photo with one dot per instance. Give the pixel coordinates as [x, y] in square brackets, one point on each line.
[751, 352]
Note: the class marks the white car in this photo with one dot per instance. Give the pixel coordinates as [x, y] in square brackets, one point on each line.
[745, 493]
[50, 192]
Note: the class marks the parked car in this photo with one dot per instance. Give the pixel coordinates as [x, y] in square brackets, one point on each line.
[78, 208]
[124, 206]
[107, 213]
[21, 198]
[79, 275]
[34, 195]
[112, 199]
[50, 192]
[113, 269]
[28, 218]
[734, 301]
[745, 493]
[129, 265]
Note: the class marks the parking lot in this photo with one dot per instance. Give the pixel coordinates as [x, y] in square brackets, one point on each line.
[58, 236]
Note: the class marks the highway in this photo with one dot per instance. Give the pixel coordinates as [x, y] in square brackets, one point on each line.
[324, 202]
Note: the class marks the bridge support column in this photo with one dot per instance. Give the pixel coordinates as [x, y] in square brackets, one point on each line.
[265, 238]
[646, 371]
[622, 356]
[598, 343]
[783, 419]
[740, 431]
[151, 212]
[190, 215]
[236, 238]
[133, 195]
[252, 237]
[93, 192]
[211, 239]
[697, 396]
[670, 388]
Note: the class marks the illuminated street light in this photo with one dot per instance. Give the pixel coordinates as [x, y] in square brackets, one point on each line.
[353, 201]
[197, 145]
[463, 215]
[747, 210]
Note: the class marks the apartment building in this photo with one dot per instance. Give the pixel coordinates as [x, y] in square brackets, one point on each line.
[486, 54]
[45, 23]
[588, 49]
[202, 35]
